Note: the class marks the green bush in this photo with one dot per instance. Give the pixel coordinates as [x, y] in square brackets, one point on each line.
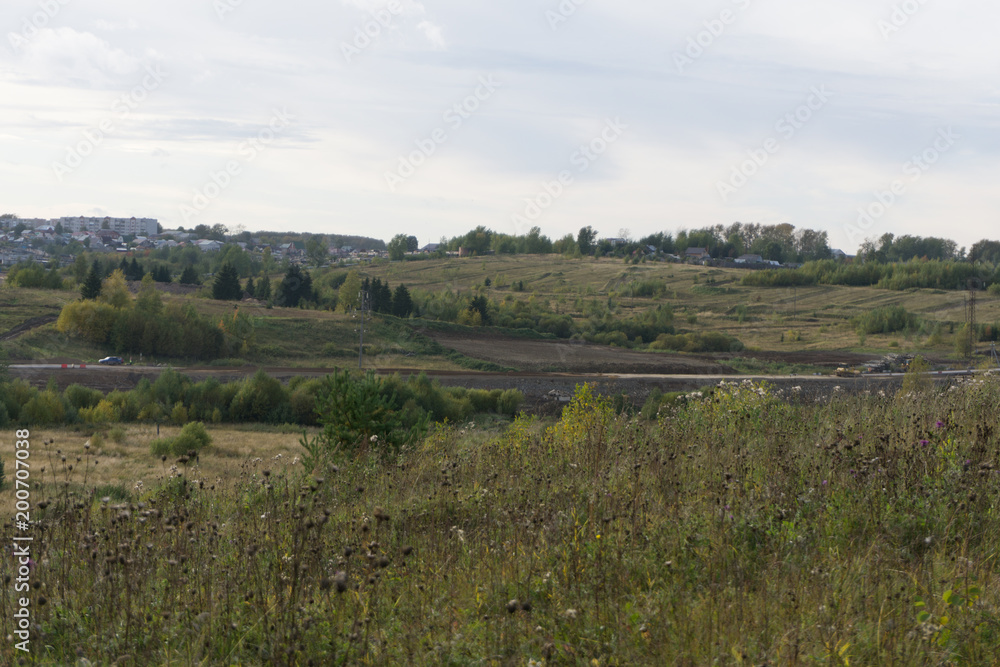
[192, 438]
[652, 405]
[260, 399]
[483, 400]
[358, 412]
[885, 320]
[82, 397]
[45, 409]
[161, 446]
[509, 402]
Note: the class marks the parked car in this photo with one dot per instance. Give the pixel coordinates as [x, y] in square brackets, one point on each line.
[112, 361]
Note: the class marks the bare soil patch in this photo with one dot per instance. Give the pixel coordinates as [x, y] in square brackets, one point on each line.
[574, 356]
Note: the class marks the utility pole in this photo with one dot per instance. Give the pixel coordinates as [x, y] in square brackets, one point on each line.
[973, 285]
[363, 299]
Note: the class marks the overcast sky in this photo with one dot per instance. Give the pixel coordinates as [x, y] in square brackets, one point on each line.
[430, 118]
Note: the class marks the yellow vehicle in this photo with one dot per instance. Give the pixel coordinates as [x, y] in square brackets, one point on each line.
[847, 372]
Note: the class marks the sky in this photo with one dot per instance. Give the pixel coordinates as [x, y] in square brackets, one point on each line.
[371, 117]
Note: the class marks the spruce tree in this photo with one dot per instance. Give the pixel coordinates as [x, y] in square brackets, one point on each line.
[227, 284]
[402, 304]
[189, 276]
[295, 288]
[264, 289]
[91, 288]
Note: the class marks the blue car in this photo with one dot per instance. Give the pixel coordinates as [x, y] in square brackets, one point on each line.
[112, 361]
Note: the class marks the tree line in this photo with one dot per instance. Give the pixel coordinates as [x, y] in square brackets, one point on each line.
[174, 398]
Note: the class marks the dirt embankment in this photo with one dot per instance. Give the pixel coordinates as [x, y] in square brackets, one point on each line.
[565, 356]
[28, 325]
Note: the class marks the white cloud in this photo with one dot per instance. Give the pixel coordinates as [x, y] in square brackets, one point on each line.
[115, 26]
[406, 9]
[686, 132]
[433, 33]
[67, 56]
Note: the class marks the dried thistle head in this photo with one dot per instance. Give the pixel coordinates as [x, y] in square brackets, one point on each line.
[340, 581]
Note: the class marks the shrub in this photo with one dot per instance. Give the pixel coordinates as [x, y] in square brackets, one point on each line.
[179, 414]
[260, 399]
[192, 438]
[509, 402]
[652, 405]
[884, 320]
[45, 409]
[117, 435]
[356, 412]
[82, 397]
[483, 400]
[161, 446]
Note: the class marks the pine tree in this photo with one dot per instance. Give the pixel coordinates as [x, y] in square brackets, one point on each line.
[264, 289]
[384, 298]
[135, 271]
[189, 276]
[227, 284]
[251, 289]
[402, 304]
[91, 288]
[161, 274]
[295, 288]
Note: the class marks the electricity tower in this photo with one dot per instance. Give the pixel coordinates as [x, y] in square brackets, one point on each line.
[972, 330]
[365, 304]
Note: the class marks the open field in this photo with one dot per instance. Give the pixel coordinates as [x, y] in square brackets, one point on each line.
[714, 296]
[571, 356]
[783, 330]
[749, 528]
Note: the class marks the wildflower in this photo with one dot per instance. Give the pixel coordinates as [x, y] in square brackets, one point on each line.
[940, 424]
[924, 443]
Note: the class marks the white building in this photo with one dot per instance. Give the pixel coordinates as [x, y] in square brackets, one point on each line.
[124, 226]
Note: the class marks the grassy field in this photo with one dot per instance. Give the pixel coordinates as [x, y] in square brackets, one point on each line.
[744, 528]
[704, 300]
[769, 319]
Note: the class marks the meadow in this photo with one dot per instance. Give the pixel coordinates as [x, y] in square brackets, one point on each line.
[586, 292]
[738, 527]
